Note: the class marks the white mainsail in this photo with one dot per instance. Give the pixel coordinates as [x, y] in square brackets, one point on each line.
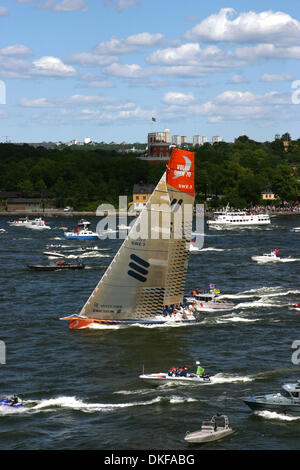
[149, 269]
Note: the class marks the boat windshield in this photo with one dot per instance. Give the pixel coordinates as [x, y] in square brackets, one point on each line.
[207, 424]
[285, 393]
[205, 298]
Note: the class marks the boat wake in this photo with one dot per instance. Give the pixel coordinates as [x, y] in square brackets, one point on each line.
[224, 378]
[263, 292]
[261, 303]
[73, 403]
[278, 416]
[88, 254]
[228, 319]
[211, 248]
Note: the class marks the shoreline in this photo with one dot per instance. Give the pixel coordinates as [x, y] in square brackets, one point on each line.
[62, 213]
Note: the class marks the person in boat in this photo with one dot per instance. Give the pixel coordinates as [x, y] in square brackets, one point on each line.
[178, 309]
[170, 309]
[171, 371]
[214, 422]
[14, 400]
[200, 370]
[184, 371]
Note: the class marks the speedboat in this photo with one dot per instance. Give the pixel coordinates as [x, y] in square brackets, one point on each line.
[295, 229]
[267, 257]
[210, 431]
[82, 232]
[162, 378]
[2, 230]
[59, 265]
[53, 254]
[38, 224]
[297, 306]
[286, 401]
[22, 222]
[176, 376]
[202, 301]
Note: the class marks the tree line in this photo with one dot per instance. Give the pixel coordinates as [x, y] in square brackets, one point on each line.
[234, 173]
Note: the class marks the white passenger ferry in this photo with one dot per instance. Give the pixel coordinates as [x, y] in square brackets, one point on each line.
[226, 218]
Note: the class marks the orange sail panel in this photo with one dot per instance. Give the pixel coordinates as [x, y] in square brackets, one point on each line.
[180, 171]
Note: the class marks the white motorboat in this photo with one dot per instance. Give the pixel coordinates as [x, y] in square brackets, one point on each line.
[82, 232]
[228, 219]
[205, 302]
[210, 431]
[267, 257]
[162, 378]
[53, 254]
[2, 230]
[295, 229]
[37, 224]
[179, 376]
[22, 222]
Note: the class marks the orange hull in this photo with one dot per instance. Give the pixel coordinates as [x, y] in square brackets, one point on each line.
[77, 322]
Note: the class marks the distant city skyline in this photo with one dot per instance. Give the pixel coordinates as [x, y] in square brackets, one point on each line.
[115, 70]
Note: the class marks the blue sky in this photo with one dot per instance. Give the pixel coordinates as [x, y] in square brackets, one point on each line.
[103, 68]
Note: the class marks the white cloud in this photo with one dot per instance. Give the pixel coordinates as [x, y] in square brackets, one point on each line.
[267, 51]
[120, 5]
[191, 58]
[35, 103]
[235, 106]
[274, 77]
[178, 98]
[247, 98]
[86, 99]
[132, 43]
[14, 67]
[63, 5]
[52, 67]
[4, 11]
[16, 50]
[75, 100]
[59, 5]
[187, 54]
[88, 59]
[89, 80]
[125, 70]
[249, 27]
[237, 79]
[183, 71]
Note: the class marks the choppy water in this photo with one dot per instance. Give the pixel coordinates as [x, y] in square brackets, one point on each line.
[81, 387]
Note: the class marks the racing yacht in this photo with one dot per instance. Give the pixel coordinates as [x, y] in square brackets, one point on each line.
[149, 270]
